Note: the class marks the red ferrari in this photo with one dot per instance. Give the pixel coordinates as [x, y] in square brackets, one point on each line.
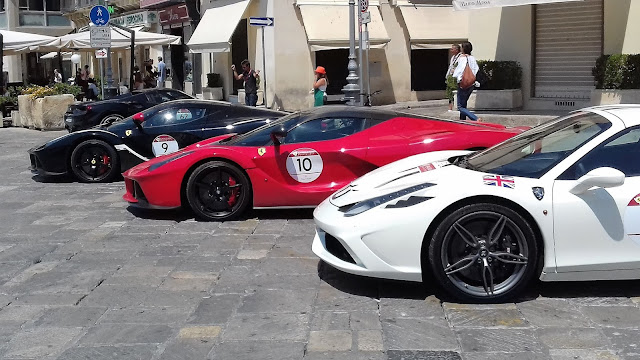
[295, 161]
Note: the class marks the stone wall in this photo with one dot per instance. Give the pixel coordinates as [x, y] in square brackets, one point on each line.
[44, 113]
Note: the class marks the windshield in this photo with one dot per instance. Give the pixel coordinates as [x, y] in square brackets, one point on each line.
[532, 153]
[262, 135]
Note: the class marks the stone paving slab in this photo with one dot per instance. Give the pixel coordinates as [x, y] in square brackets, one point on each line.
[82, 276]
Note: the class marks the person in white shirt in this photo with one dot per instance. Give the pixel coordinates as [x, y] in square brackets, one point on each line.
[464, 94]
[453, 62]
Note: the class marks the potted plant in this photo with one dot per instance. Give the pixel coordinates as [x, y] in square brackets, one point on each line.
[43, 107]
[500, 86]
[617, 80]
[213, 91]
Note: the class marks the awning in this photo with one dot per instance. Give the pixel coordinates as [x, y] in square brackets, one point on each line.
[434, 27]
[216, 27]
[14, 41]
[481, 4]
[120, 39]
[66, 56]
[327, 25]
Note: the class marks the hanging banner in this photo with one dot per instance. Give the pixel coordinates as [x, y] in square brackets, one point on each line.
[483, 4]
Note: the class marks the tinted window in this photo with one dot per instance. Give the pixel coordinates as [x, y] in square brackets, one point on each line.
[534, 152]
[174, 116]
[177, 95]
[620, 152]
[324, 129]
[262, 135]
[160, 97]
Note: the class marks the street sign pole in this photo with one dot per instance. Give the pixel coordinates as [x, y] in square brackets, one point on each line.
[264, 71]
[366, 40]
[351, 90]
[101, 61]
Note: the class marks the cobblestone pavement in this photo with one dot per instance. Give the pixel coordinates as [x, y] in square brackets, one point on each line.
[84, 277]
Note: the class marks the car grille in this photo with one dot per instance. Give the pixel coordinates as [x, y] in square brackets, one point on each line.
[137, 191]
[335, 248]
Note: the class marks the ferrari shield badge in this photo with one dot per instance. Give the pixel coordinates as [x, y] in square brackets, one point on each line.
[262, 151]
[128, 132]
[632, 219]
[538, 192]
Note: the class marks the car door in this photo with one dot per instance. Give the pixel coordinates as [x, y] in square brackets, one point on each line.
[171, 129]
[314, 159]
[599, 230]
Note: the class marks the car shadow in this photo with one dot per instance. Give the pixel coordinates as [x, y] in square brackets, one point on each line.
[182, 214]
[381, 288]
[177, 215]
[66, 179]
[275, 214]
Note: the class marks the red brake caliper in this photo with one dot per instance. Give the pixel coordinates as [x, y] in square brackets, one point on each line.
[233, 197]
[105, 159]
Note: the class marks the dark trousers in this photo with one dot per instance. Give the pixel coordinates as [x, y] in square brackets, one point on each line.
[463, 98]
[251, 99]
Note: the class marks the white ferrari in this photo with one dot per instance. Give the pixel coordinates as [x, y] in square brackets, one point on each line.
[560, 201]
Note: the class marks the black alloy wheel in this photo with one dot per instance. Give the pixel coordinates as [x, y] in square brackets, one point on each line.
[110, 119]
[483, 253]
[94, 161]
[218, 191]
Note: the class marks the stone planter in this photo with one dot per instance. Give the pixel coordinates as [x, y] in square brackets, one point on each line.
[215, 93]
[44, 113]
[614, 96]
[15, 118]
[494, 99]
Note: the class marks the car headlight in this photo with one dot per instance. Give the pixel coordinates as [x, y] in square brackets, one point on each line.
[170, 159]
[369, 204]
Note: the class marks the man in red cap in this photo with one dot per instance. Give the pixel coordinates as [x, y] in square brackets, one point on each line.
[320, 86]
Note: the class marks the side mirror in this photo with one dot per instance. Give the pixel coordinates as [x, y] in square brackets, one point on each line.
[277, 135]
[138, 119]
[603, 177]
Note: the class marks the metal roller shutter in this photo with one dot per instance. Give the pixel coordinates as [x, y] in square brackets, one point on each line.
[568, 40]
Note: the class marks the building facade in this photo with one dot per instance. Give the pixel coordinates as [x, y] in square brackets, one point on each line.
[42, 17]
[556, 45]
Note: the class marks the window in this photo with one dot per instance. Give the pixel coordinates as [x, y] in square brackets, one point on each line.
[174, 116]
[324, 129]
[177, 95]
[428, 68]
[532, 153]
[159, 97]
[621, 152]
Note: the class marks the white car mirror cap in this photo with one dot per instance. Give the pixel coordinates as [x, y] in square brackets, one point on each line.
[603, 177]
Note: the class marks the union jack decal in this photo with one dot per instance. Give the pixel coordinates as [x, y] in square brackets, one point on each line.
[500, 181]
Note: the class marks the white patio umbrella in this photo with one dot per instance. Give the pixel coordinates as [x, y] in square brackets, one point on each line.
[482, 4]
[119, 40]
[14, 41]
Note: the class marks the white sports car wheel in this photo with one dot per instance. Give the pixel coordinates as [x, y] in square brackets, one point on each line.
[483, 253]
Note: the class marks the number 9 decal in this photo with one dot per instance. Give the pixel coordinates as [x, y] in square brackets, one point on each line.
[164, 144]
[304, 165]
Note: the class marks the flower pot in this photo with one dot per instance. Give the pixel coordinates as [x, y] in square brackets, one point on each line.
[614, 96]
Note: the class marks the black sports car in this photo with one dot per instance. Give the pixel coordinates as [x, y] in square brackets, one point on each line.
[99, 154]
[89, 114]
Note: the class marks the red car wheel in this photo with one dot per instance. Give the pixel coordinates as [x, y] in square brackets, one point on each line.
[218, 191]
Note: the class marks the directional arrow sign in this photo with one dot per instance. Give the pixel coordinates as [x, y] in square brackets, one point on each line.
[261, 21]
[101, 54]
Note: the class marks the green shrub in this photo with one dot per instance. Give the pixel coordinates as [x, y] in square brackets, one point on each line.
[499, 75]
[617, 71]
[214, 80]
[37, 91]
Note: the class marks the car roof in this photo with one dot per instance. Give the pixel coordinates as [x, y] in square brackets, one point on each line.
[220, 103]
[628, 113]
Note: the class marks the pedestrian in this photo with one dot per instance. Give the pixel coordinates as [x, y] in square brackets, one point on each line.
[150, 80]
[453, 62]
[251, 79]
[138, 84]
[320, 86]
[466, 80]
[188, 68]
[162, 72]
[92, 90]
[57, 77]
[85, 74]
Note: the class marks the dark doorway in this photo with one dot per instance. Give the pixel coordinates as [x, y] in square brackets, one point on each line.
[177, 61]
[239, 50]
[335, 62]
[428, 68]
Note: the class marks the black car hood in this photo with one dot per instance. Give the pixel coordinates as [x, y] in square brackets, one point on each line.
[120, 128]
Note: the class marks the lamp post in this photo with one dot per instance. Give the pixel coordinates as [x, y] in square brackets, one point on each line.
[352, 90]
[75, 58]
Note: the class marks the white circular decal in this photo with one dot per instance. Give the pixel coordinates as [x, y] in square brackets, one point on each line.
[304, 165]
[164, 144]
[184, 114]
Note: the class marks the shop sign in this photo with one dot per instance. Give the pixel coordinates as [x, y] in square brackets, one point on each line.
[173, 15]
[137, 19]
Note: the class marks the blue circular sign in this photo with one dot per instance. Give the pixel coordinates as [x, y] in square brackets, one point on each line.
[99, 15]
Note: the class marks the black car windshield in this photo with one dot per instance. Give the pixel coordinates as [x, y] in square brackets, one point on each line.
[534, 152]
[262, 135]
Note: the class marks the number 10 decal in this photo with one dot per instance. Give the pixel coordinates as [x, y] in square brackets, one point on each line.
[304, 165]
